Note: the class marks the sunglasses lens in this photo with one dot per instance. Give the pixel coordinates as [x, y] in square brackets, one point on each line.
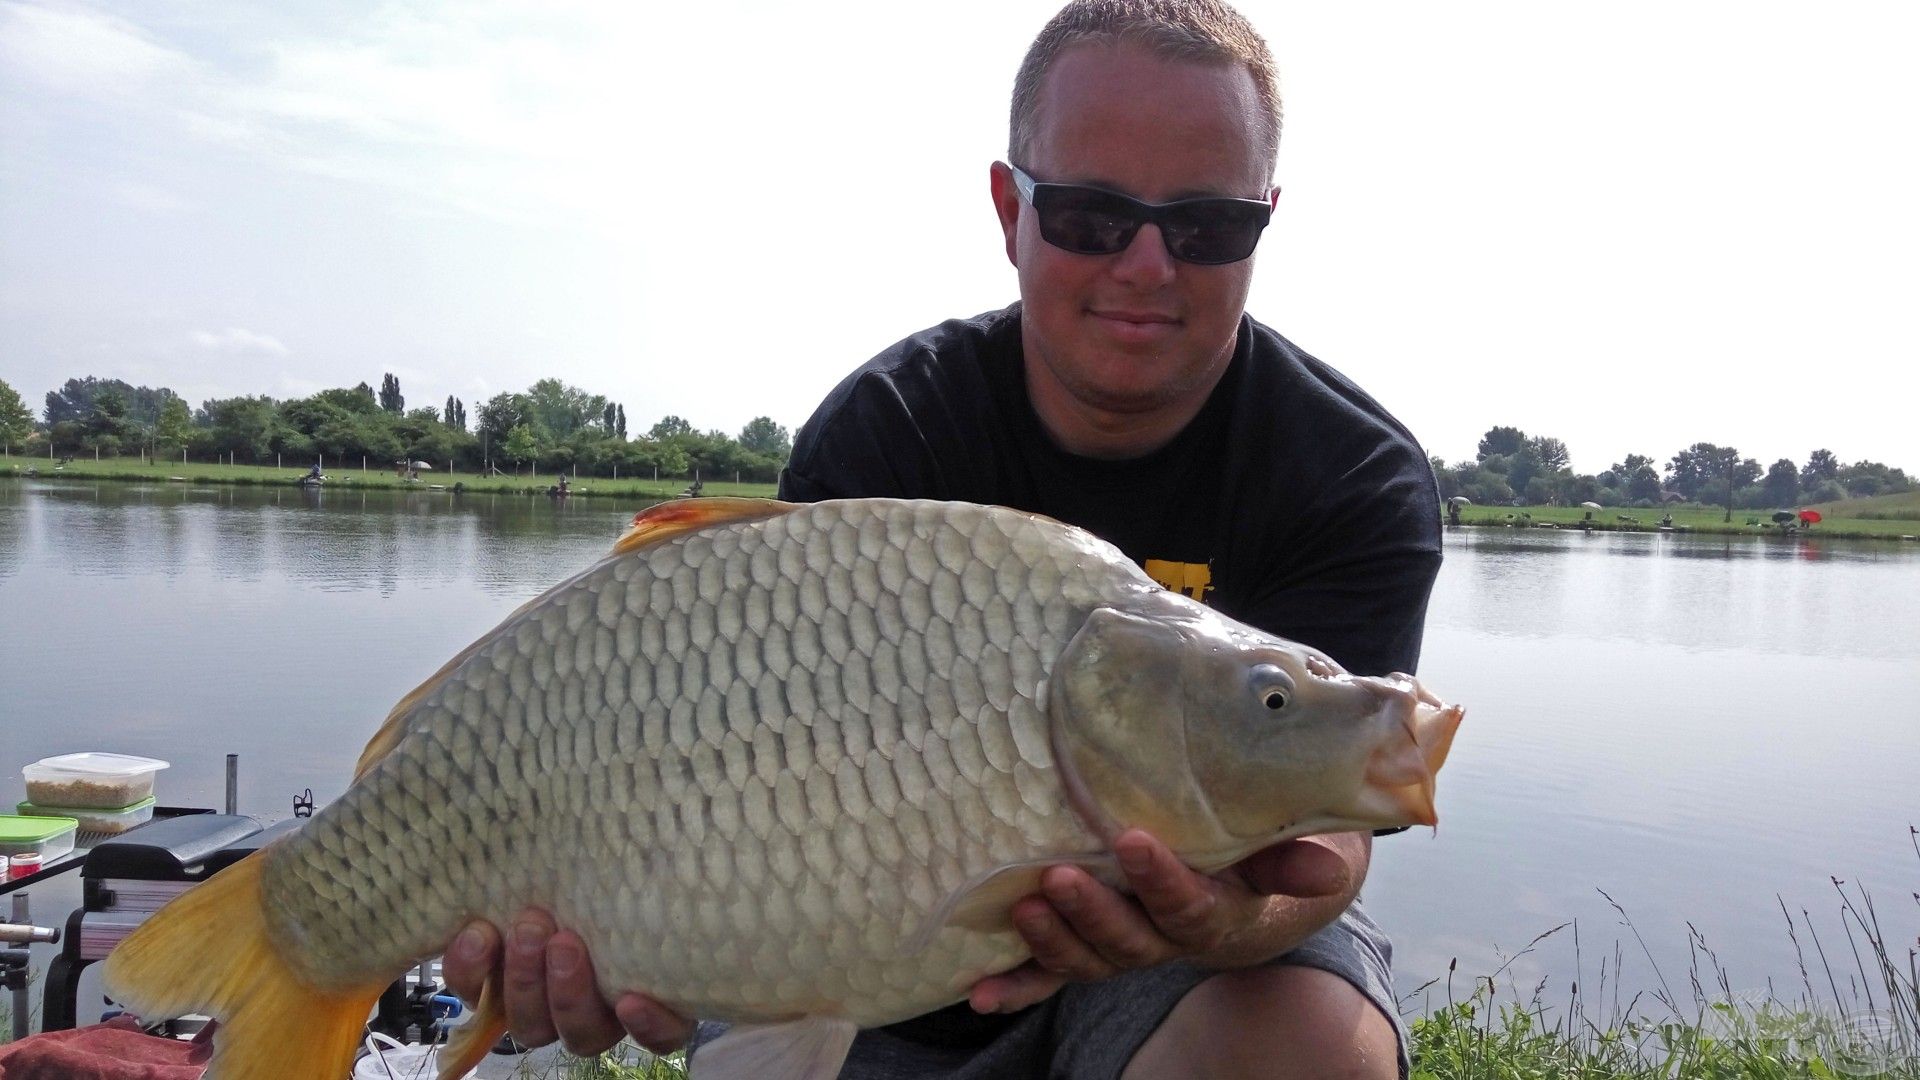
[1212, 232]
[1085, 221]
[1089, 221]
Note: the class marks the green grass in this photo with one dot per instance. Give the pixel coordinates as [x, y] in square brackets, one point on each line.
[1902, 506]
[1689, 517]
[354, 479]
[1492, 1030]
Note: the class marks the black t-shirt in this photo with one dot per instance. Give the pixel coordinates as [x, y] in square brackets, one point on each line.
[1293, 502]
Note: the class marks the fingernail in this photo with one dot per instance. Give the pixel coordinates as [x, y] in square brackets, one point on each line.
[471, 945]
[529, 937]
[563, 957]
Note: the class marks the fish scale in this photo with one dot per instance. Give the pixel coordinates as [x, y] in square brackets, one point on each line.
[676, 626]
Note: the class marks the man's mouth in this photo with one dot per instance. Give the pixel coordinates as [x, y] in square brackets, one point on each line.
[1135, 327]
[1142, 318]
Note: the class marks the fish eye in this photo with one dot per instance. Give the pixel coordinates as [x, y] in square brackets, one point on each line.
[1272, 686]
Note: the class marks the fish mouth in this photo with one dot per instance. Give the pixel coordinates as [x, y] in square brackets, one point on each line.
[1400, 773]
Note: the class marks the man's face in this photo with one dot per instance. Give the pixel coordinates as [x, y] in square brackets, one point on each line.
[1136, 338]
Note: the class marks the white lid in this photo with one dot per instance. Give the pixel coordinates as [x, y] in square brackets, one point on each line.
[102, 764]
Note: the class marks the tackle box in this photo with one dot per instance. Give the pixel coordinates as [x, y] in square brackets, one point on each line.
[92, 780]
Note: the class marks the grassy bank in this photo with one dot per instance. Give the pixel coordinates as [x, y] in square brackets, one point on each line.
[1688, 517]
[134, 470]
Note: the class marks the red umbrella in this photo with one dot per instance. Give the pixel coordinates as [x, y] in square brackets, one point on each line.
[1808, 517]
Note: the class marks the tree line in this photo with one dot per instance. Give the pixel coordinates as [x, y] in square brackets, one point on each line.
[549, 427]
[1510, 465]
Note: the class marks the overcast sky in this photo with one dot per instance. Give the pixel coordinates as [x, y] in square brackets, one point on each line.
[1631, 226]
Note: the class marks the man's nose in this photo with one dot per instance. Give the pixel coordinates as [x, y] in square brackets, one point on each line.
[1145, 261]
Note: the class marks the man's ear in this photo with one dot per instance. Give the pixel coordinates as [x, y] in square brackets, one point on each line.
[1006, 203]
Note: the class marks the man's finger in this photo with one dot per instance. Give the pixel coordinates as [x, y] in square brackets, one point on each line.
[1183, 905]
[1011, 991]
[1055, 945]
[1114, 927]
[473, 955]
[652, 1024]
[524, 979]
[586, 1025]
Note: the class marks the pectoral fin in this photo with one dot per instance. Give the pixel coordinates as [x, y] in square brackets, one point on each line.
[985, 902]
[810, 1048]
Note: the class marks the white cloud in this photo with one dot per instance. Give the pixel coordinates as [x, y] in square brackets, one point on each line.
[71, 50]
[234, 339]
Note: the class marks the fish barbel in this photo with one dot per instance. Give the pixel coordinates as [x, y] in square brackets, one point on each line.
[787, 766]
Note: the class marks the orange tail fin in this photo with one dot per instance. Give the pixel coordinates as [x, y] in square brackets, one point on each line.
[208, 952]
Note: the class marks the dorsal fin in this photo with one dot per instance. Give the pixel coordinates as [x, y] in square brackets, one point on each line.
[657, 524]
[394, 728]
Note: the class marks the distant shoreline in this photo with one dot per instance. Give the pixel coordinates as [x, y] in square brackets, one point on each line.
[135, 471]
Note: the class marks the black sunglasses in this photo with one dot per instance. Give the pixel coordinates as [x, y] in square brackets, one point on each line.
[1095, 221]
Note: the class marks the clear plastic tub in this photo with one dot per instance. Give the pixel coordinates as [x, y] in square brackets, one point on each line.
[93, 820]
[95, 781]
[51, 837]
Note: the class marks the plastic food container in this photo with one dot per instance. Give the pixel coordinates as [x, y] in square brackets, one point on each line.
[97, 781]
[50, 837]
[94, 820]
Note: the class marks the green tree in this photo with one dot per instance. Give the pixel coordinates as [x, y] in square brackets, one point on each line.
[1549, 452]
[1522, 468]
[620, 422]
[501, 414]
[520, 445]
[1636, 479]
[560, 409]
[1821, 465]
[241, 425]
[390, 397]
[1864, 479]
[174, 427]
[1505, 441]
[670, 427]
[1782, 484]
[764, 437]
[16, 420]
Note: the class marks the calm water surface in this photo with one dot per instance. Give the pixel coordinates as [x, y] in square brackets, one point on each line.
[1705, 728]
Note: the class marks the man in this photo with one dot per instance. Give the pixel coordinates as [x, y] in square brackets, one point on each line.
[1129, 393]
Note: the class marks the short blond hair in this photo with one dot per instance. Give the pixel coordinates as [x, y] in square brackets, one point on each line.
[1199, 31]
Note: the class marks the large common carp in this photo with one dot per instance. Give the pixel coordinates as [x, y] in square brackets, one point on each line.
[788, 766]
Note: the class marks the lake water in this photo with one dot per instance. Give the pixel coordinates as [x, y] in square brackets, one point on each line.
[1705, 728]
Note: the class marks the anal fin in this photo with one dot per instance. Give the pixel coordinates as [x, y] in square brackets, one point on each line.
[472, 1040]
[810, 1048]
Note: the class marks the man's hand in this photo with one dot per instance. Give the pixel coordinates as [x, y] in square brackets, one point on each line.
[1080, 930]
[549, 990]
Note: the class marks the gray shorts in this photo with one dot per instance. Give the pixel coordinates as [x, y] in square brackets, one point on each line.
[1089, 1031]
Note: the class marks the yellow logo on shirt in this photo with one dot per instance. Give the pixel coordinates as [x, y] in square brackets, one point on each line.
[1193, 579]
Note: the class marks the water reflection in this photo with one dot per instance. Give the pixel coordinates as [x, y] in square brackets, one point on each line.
[1689, 592]
[338, 540]
[13, 528]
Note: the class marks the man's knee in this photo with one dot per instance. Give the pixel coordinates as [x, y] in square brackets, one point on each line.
[1279, 1022]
